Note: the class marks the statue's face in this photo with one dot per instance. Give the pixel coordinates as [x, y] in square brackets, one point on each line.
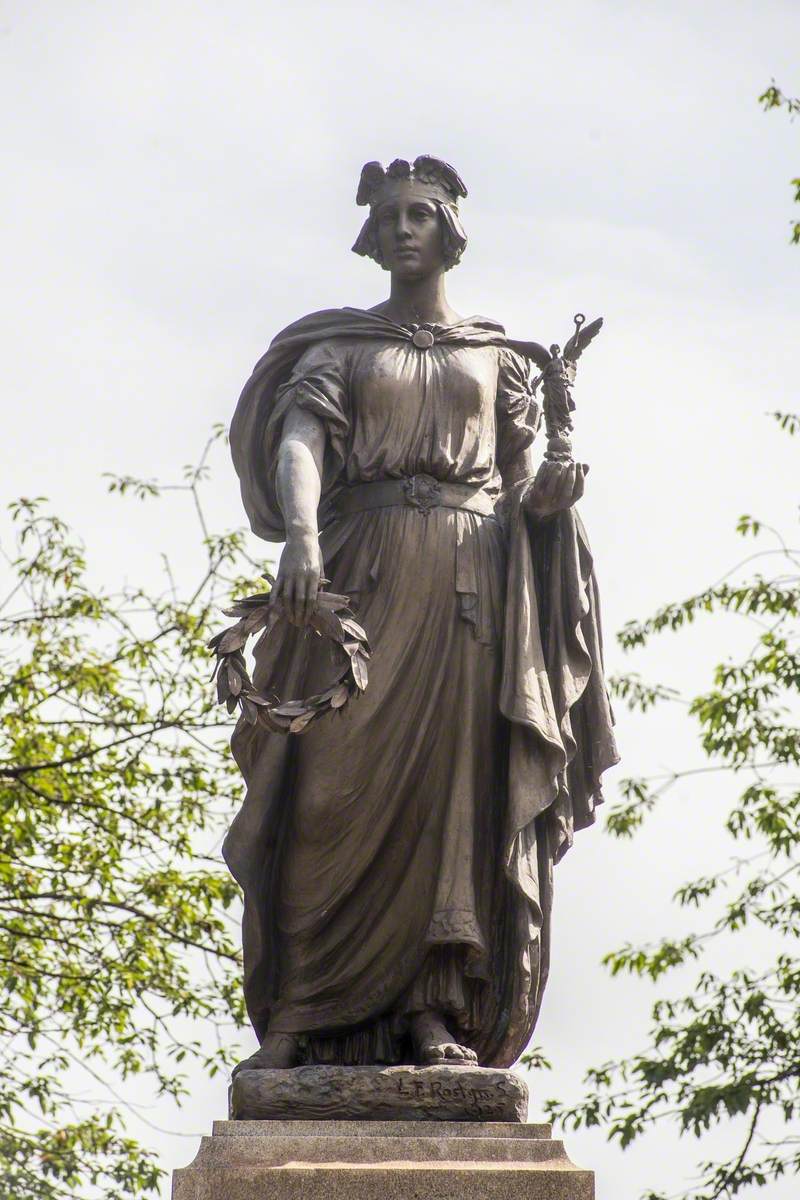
[409, 235]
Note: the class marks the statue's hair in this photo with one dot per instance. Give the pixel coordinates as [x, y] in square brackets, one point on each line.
[443, 186]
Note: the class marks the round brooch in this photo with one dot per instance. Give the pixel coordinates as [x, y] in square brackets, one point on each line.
[332, 618]
[422, 338]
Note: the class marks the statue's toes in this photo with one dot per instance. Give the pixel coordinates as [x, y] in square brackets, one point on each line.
[254, 1063]
[458, 1055]
[278, 1051]
[434, 1056]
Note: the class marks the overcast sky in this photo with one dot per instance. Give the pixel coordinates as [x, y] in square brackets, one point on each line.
[179, 184]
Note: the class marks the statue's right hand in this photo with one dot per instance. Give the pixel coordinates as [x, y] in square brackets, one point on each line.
[298, 579]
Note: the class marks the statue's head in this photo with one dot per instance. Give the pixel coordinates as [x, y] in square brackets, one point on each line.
[413, 227]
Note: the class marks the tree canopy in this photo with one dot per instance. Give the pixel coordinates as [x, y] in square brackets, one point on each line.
[118, 955]
[728, 1047]
[725, 1054]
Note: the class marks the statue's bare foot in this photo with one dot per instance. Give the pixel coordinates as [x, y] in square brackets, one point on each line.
[434, 1045]
[278, 1051]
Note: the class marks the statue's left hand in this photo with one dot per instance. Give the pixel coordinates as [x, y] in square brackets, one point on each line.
[557, 486]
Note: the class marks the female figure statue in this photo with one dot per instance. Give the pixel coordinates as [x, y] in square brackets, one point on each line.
[396, 859]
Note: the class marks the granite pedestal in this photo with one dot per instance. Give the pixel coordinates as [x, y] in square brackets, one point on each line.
[375, 1157]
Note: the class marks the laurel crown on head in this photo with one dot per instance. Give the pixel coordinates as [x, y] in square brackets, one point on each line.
[426, 172]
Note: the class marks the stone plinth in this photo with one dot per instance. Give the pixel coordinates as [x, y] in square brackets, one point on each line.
[443, 1093]
[380, 1133]
[381, 1160]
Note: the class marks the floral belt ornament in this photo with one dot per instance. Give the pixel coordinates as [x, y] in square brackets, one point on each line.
[332, 618]
[422, 492]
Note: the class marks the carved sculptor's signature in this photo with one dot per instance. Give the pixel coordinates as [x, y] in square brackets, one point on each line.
[437, 1090]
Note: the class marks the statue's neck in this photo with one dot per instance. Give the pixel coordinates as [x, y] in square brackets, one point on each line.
[418, 302]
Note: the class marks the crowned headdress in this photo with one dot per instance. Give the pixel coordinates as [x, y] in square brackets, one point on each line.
[430, 178]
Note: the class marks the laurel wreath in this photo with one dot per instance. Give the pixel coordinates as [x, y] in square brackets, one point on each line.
[332, 618]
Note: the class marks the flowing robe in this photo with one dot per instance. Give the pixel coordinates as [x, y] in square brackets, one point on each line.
[398, 855]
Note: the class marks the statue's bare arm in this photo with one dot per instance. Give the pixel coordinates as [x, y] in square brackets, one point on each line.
[299, 484]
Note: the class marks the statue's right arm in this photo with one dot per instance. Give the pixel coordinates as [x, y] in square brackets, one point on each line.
[299, 485]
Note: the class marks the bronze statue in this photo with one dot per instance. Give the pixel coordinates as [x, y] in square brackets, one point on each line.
[396, 856]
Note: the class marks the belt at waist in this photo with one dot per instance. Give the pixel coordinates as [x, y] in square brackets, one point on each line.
[422, 492]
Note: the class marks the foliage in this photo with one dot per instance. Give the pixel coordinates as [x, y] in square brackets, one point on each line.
[728, 1048]
[771, 98]
[114, 769]
[534, 1060]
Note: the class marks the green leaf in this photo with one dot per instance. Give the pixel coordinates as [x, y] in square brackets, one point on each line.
[113, 774]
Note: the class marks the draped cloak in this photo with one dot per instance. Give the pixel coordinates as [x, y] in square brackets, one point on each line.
[369, 889]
